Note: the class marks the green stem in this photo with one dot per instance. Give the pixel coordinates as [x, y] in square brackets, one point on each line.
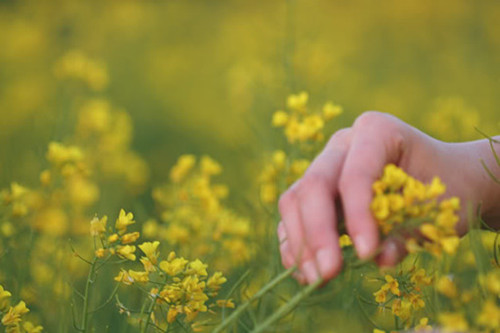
[86, 297]
[144, 328]
[223, 325]
[288, 307]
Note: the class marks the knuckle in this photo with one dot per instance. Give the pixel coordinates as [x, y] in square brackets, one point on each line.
[310, 182]
[341, 137]
[370, 119]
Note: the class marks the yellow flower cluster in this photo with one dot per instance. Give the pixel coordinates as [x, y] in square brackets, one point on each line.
[12, 315]
[178, 286]
[115, 241]
[279, 173]
[404, 294]
[401, 201]
[194, 216]
[77, 66]
[299, 123]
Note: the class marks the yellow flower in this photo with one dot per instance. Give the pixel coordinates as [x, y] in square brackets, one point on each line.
[4, 298]
[215, 281]
[345, 240]
[100, 253]
[209, 167]
[419, 277]
[184, 164]
[123, 221]
[446, 287]
[124, 278]
[401, 308]
[490, 315]
[13, 316]
[453, 322]
[197, 267]
[150, 249]
[280, 118]
[393, 285]
[98, 226]
[331, 111]
[423, 325]
[113, 238]
[173, 267]
[376, 330]
[29, 327]
[279, 159]
[130, 237]
[381, 295]
[126, 251]
[142, 277]
[298, 102]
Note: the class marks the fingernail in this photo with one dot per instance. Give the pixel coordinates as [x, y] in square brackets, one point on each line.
[364, 245]
[326, 261]
[310, 270]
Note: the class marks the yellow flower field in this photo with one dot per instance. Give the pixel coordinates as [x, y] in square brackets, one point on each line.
[144, 146]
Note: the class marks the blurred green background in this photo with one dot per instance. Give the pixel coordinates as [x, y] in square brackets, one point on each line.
[205, 76]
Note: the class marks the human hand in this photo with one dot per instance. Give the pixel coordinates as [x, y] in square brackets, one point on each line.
[344, 173]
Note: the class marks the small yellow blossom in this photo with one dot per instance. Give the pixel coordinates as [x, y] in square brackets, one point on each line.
[174, 266]
[126, 251]
[130, 237]
[150, 249]
[345, 241]
[98, 226]
[123, 221]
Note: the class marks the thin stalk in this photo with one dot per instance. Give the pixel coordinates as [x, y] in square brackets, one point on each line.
[85, 310]
[273, 283]
[144, 329]
[287, 308]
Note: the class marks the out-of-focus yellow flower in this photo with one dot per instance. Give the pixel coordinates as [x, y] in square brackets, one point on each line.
[222, 303]
[209, 167]
[77, 66]
[4, 298]
[98, 226]
[453, 322]
[423, 325]
[490, 315]
[29, 327]
[331, 111]
[280, 118]
[298, 102]
[445, 286]
[184, 164]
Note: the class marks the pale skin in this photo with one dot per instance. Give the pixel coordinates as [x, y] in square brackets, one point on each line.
[342, 176]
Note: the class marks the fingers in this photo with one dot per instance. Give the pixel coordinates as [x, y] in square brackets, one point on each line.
[376, 142]
[309, 216]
